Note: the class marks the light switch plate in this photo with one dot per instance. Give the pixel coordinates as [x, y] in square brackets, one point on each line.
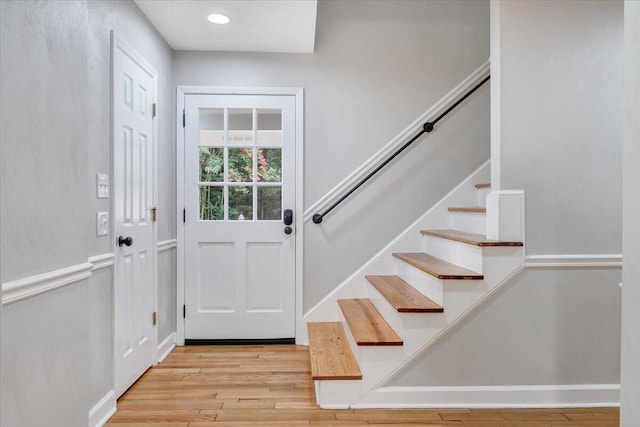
[102, 186]
[102, 223]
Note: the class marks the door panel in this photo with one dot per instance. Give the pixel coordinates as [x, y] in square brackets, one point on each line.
[239, 178]
[133, 155]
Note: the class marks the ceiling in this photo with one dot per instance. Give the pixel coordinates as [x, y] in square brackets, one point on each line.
[256, 25]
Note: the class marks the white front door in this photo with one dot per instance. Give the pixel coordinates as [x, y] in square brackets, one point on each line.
[239, 184]
[133, 172]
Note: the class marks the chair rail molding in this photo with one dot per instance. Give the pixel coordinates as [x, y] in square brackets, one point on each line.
[469, 82]
[18, 290]
[573, 260]
[101, 261]
[167, 244]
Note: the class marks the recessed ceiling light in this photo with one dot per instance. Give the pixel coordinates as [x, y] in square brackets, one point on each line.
[219, 18]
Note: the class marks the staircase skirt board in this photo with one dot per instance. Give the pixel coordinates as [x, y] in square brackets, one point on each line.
[437, 267]
[367, 325]
[402, 296]
[331, 356]
[469, 238]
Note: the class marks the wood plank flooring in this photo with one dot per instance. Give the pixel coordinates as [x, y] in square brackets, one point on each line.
[224, 386]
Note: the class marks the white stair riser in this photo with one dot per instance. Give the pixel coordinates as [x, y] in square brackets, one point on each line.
[427, 284]
[458, 253]
[482, 196]
[471, 222]
[337, 394]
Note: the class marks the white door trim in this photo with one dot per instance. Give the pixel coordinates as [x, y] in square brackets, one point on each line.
[119, 42]
[299, 200]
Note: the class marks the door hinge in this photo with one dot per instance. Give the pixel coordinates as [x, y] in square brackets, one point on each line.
[184, 118]
[184, 311]
[153, 110]
[154, 318]
[184, 216]
[154, 214]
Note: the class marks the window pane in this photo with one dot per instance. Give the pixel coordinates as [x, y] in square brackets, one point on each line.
[211, 203]
[240, 203]
[211, 126]
[240, 165]
[211, 164]
[269, 127]
[269, 203]
[240, 126]
[270, 164]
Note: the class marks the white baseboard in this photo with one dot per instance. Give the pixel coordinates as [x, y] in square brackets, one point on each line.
[165, 347]
[103, 410]
[167, 244]
[547, 396]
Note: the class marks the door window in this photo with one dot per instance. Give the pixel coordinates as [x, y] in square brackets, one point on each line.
[240, 174]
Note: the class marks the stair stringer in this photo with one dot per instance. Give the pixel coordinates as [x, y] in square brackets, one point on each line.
[356, 286]
[419, 331]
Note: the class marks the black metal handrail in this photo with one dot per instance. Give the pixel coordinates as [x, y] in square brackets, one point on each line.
[427, 127]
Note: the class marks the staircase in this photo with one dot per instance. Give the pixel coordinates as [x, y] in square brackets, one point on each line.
[374, 325]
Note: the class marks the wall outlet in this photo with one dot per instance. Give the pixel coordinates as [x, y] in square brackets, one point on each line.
[102, 186]
[102, 223]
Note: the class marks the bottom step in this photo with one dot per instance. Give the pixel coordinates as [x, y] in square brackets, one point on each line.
[331, 356]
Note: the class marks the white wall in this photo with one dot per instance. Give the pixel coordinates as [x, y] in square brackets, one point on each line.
[557, 90]
[546, 327]
[377, 67]
[561, 86]
[56, 359]
[630, 411]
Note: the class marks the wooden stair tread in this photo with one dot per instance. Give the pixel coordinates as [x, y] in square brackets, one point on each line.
[331, 356]
[438, 267]
[483, 185]
[470, 238]
[476, 209]
[402, 296]
[367, 325]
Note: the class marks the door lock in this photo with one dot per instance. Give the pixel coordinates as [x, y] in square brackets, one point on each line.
[288, 217]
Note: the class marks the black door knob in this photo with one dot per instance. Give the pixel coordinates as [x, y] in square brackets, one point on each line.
[127, 241]
[288, 230]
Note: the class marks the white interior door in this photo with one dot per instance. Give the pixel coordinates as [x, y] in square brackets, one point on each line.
[133, 172]
[239, 182]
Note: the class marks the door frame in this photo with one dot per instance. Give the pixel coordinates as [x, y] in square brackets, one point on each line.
[118, 43]
[298, 93]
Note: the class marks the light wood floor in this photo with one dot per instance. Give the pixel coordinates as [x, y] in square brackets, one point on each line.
[221, 386]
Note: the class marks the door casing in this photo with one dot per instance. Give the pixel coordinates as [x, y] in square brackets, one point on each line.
[298, 93]
[118, 43]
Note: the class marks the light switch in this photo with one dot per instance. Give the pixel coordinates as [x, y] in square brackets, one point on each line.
[102, 223]
[102, 186]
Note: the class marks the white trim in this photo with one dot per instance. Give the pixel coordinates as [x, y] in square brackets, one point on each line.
[520, 396]
[101, 261]
[165, 347]
[167, 244]
[573, 260]
[397, 141]
[103, 410]
[181, 91]
[20, 289]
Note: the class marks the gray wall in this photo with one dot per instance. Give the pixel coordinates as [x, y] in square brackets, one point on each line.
[377, 67]
[561, 83]
[548, 326]
[630, 410]
[55, 131]
[561, 133]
